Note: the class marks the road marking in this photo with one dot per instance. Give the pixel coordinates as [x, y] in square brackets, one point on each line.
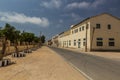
[80, 71]
[89, 78]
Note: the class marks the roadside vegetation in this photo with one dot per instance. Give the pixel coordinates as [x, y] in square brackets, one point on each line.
[12, 39]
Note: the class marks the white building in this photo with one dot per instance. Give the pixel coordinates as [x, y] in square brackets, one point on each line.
[99, 32]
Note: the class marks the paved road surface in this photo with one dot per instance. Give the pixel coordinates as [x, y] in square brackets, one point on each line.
[97, 68]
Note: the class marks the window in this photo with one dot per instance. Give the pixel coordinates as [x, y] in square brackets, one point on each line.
[74, 42]
[109, 26]
[83, 28]
[76, 30]
[84, 42]
[111, 42]
[80, 29]
[79, 43]
[87, 26]
[99, 42]
[79, 40]
[99, 39]
[65, 42]
[69, 42]
[97, 26]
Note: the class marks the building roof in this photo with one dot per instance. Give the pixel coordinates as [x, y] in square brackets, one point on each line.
[94, 17]
[65, 33]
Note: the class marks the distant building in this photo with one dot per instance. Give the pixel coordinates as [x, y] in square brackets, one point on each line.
[49, 42]
[100, 32]
[54, 40]
[64, 39]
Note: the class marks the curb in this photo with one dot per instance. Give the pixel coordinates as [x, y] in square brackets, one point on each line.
[5, 62]
[21, 54]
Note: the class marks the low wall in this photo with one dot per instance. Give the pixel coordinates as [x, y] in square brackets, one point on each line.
[11, 49]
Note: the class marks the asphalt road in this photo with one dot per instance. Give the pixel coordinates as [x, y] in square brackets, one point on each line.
[96, 68]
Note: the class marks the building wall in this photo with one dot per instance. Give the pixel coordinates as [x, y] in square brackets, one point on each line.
[105, 33]
[81, 34]
[104, 20]
[63, 41]
[76, 39]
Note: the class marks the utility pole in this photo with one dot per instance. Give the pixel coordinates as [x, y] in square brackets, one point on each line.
[86, 38]
[92, 37]
[40, 39]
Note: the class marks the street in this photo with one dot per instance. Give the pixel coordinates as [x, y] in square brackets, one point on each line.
[97, 68]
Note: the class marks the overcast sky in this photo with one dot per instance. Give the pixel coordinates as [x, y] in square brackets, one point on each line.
[52, 16]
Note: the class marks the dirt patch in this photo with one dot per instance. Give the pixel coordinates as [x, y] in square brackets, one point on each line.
[43, 64]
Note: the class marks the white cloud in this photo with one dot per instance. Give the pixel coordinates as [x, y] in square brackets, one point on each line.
[97, 3]
[21, 18]
[51, 4]
[75, 16]
[83, 5]
[78, 5]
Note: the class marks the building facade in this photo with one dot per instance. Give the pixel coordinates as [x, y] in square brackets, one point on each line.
[99, 32]
[54, 41]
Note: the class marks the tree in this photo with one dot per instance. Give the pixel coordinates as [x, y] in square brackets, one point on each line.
[2, 52]
[43, 39]
[9, 33]
[5, 34]
[36, 41]
[27, 37]
[15, 37]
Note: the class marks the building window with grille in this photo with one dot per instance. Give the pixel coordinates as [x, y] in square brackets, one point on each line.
[69, 42]
[74, 42]
[111, 42]
[109, 26]
[80, 29]
[98, 26]
[83, 28]
[84, 42]
[99, 41]
[79, 40]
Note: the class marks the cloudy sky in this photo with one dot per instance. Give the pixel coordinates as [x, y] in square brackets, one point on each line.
[52, 16]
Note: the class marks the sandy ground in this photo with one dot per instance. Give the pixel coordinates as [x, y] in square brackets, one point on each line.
[43, 64]
[110, 55]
